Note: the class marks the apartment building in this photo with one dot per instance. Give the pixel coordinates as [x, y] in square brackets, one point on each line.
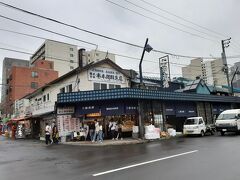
[236, 80]
[64, 56]
[194, 69]
[210, 71]
[25, 80]
[8, 63]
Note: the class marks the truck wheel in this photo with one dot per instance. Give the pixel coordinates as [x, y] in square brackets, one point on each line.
[202, 133]
[222, 133]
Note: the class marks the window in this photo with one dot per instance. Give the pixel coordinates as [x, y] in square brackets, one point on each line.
[62, 90]
[44, 98]
[200, 121]
[71, 67]
[48, 96]
[71, 55]
[103, 86]
[96, 86]
[71, 61]
[97, 54]
[111, 86]
[71, 49]
[34, 74]
[34, 85]
[69, 88]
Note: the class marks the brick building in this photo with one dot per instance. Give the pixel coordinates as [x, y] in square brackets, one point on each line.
[24, 80]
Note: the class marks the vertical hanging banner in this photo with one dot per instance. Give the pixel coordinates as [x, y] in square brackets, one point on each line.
[164, 67]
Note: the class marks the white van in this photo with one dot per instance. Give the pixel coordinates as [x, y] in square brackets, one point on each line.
[228, 121]
[194, 126]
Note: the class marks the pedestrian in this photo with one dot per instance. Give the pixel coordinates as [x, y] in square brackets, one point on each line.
[91, 130]
[119, 130]
[55, 134]
[96, 131]
[48, 134]
[14, 129]
[100, 133]
[112, 127]
[86, 129]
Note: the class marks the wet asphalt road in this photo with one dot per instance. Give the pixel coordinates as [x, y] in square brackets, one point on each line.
[217, 158]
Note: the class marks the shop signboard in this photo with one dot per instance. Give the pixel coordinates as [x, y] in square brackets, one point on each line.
[67, 124]
[105, 74]
[20, 131]
[191, 111]
[87, 109]
[170, 109]
[131, 109]
[112, 109]
[65, 110]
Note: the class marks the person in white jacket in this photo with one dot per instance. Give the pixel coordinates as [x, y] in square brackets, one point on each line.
[48, 131]
[112, 127]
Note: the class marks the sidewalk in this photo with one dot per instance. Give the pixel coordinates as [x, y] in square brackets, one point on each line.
[107, 142]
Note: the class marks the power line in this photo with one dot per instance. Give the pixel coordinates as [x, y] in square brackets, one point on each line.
[97, 34]
[169, 19]
[188, 21]
[34, 36]
[179, 17]
[43, 29]
[153, 19]
[120, 55]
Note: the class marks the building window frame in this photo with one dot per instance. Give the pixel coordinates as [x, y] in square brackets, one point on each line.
[34, 74]
[34, 85]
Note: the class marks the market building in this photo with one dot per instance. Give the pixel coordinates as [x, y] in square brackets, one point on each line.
[142, 107]
[101, 75]
[105, 92]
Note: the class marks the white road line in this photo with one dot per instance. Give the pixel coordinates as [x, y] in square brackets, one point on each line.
[143, 163]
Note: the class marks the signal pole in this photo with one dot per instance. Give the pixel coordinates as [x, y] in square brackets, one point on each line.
[225, 44]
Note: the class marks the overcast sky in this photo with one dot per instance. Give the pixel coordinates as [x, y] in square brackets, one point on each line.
[108, 19]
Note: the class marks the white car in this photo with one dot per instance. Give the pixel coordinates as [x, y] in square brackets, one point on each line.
[194, 126]
[228, 121]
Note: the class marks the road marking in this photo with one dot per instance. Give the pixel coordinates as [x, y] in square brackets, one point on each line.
[143, 163]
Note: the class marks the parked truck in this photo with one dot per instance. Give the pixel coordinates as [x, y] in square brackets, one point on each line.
[197, 126]
[228, 121]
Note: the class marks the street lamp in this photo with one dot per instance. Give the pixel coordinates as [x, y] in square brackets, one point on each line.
[147, 48]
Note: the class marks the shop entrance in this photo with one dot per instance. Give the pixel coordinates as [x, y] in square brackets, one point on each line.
[175, 122]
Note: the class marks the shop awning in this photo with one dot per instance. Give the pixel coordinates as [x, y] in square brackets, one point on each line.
[18, 119]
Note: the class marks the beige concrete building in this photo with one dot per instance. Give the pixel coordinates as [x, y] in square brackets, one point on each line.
[210, 71]
[193, 70]
[218, 76]
[67, 57]
[64, 56]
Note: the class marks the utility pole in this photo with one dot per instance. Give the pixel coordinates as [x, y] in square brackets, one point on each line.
[225, 44]
[236, 72]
